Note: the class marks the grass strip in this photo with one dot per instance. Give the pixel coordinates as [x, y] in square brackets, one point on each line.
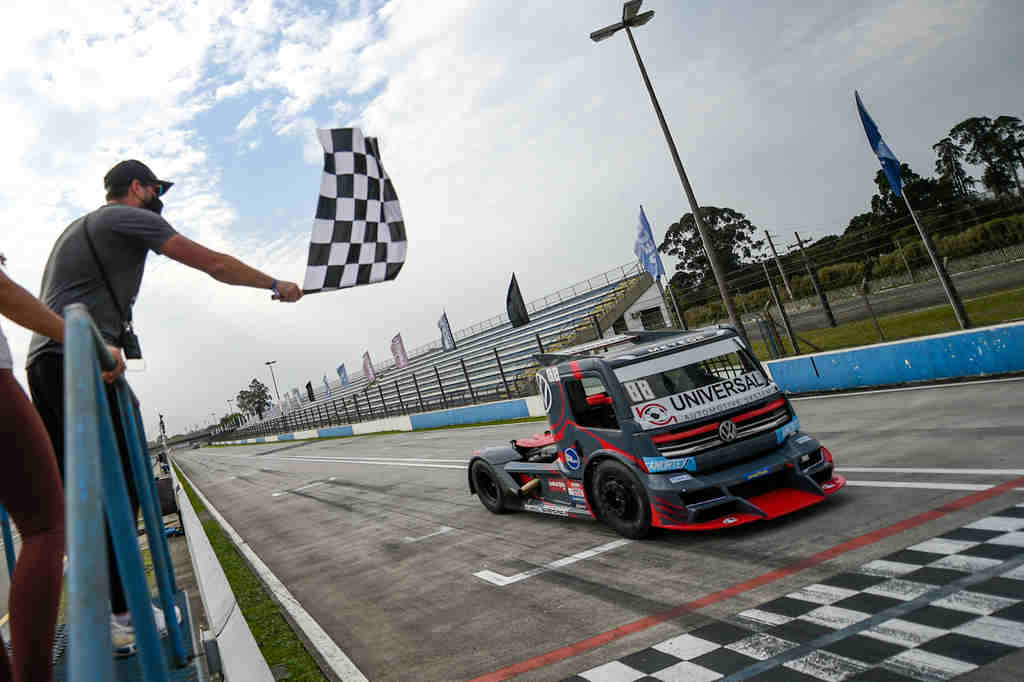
[280, 646]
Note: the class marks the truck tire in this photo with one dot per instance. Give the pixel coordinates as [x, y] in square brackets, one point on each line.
[487, 489]
[621, 500]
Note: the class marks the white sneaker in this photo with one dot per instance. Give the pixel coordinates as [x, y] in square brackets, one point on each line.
[122, 638]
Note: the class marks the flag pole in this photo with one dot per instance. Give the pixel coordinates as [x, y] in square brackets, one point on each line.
[947, 283]
[672, 297]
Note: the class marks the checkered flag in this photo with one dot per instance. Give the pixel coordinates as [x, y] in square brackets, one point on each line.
[358, 233]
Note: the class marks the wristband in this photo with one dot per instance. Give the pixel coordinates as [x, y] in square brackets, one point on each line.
[273, 287]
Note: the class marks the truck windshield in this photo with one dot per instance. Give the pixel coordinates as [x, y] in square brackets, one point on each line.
[693, 383]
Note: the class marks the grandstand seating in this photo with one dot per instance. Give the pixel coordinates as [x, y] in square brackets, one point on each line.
[437, 379]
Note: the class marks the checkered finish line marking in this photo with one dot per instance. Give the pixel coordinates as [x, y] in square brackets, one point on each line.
[642, 624]
[358, 232]
[933, 611]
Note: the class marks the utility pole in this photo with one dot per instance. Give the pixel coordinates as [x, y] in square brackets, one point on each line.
[782, 310]
[778, 263]
[817, 285]
[271, 364]
[906, 263]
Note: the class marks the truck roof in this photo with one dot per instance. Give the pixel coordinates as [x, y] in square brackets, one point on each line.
[631, 346]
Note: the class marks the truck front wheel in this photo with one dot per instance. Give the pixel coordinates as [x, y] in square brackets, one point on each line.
[622, 502]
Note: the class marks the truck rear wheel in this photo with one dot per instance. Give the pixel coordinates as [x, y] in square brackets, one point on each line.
[487, 488]
[621, 500]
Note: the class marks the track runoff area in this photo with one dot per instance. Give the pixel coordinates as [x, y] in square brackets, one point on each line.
[914, 571]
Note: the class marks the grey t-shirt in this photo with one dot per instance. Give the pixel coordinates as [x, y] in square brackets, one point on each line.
[123, 237]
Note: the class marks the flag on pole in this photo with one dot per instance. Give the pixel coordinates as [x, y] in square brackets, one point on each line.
[368, 372]
[327, 387]
[645, 248]
[398, 352]
[309, 391]
[358, 232]
[890, 164]
[447, 338]
[342, 375]
[517, 313]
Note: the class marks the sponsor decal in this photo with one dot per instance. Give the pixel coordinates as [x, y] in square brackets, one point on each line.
[576, 489]
[546, 508]
[708, 400]
[680, 478]
[784, 432]
[655, 414]
[544, 390]
[729, 520]
[656, 464]
[572, 459]
[803, 439]
[757, 474]
[829, 486]
[556, 484]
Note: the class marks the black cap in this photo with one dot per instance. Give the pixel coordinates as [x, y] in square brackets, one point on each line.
[123, 173]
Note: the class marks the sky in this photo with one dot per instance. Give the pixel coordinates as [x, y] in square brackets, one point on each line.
[515, 143]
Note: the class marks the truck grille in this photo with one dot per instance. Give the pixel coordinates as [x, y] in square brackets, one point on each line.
[691, 441]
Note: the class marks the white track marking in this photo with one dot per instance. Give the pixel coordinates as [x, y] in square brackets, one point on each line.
[330, 653]
[305, 487]
[920, 485]
[442, 531]
[909, 388]
[964, 472]
[502, 580]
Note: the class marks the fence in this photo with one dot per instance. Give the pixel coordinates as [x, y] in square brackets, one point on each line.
[495, 362]
[96, 490]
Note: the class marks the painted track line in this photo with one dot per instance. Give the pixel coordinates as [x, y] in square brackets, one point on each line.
[502, 580]
[642, 624]
[910, 388]
[923, 485]
[959, 472]
[329, 653]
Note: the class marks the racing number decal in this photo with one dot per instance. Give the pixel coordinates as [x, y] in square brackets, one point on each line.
[552, 373]
[638, 390]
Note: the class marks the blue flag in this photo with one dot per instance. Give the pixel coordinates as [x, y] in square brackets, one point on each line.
[342, 375]
[890, 164]
[645, 248]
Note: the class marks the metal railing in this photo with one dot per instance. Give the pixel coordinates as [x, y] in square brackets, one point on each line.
[95, 488]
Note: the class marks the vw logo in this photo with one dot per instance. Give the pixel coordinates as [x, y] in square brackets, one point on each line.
[544, 389]
[727, 431]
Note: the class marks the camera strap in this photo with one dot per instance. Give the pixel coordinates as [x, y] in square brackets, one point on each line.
[126, 320]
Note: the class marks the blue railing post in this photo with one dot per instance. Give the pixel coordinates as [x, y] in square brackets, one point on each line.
[126, 548]
[5, 527]
[143, 476]
[88, 578]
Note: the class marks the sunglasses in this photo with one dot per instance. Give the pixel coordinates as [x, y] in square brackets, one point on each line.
[158, 188]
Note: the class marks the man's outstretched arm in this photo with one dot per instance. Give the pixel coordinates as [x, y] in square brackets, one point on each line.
[225, 268]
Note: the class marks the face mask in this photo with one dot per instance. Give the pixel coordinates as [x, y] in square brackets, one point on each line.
[154, 205]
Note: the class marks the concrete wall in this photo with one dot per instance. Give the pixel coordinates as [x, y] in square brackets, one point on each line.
[971, 353]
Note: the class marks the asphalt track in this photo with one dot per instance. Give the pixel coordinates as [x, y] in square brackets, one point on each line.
[384, 556]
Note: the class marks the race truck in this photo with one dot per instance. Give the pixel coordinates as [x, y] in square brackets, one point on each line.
[662, 429]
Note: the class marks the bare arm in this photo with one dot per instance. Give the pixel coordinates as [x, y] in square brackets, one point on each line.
[225, 268]
[22, 308]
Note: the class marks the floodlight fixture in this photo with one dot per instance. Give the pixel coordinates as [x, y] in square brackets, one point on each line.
[606, 32]
[630, 9]
[641, 19]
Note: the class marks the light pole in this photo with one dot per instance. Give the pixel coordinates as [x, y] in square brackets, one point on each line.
[630, 18]
[270, 364]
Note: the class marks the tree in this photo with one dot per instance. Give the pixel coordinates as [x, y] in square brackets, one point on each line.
[731, 234]
[922, 191]
[996, 146]
[255, 399]
[949, 168]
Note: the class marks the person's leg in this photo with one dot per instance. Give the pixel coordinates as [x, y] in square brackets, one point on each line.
[30, 489]
[118, 603]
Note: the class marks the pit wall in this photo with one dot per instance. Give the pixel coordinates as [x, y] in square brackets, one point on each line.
[971, 353]
[474, 414]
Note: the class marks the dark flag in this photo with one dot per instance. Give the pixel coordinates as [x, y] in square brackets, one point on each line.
[517, 314]
[309, 390]
[447, 338]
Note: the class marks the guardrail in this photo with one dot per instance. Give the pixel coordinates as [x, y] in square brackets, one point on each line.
[95, 488]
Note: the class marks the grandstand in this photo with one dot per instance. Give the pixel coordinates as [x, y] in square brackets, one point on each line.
[492, 360]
